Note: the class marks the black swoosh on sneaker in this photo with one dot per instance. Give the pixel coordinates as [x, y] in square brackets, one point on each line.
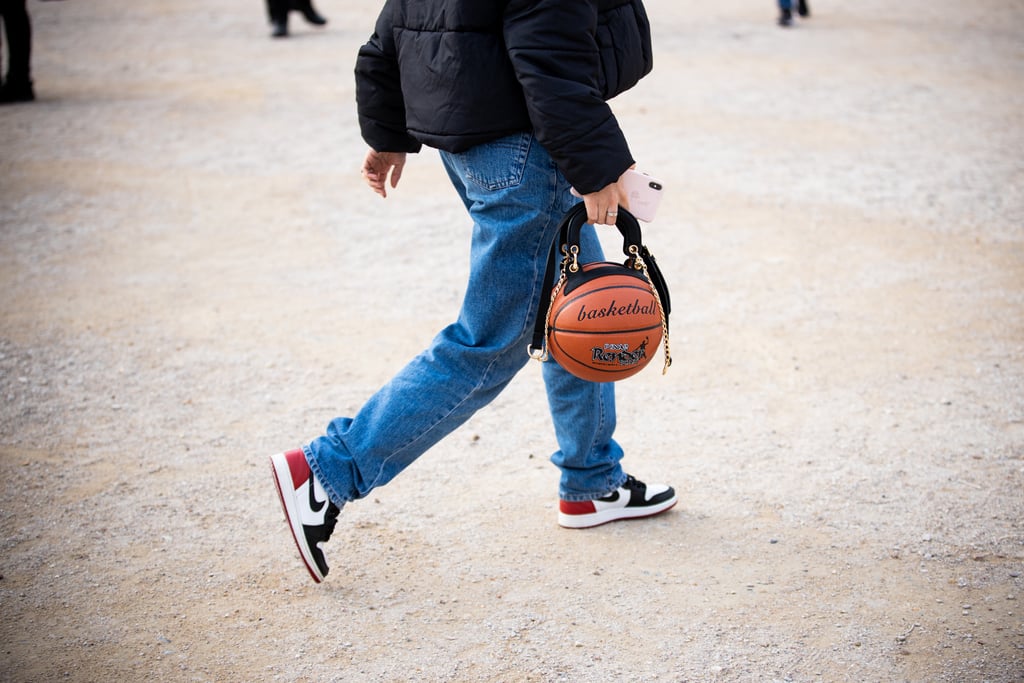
[314, 504]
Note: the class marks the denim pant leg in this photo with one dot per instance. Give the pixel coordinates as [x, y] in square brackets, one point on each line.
[583, 414]
[516, 198]
[584, 417]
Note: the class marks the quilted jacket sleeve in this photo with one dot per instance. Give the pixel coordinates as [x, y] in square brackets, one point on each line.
[555, 53]
[379, 93]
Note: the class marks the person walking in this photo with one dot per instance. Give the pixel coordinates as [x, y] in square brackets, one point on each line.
[514, 95]
[786, 11]
[278, 11]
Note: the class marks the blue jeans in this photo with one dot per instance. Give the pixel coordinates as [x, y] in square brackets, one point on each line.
[516, 197]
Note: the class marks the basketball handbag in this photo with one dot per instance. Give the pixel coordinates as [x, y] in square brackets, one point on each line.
[604, 320]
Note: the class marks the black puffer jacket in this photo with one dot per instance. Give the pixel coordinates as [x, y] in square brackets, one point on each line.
[452, 74]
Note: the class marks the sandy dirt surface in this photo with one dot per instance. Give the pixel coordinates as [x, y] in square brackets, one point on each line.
[193, 277]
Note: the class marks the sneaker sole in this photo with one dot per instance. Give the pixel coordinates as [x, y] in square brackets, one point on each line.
[283, 480]
[612, 515]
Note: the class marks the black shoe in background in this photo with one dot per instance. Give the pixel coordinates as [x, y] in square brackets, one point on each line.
[311, 15]
[16, 91]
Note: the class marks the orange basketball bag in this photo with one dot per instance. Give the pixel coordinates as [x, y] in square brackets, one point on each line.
[604, 320]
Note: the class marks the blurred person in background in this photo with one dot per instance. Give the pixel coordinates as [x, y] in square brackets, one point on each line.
[279, 9]
[786, 11]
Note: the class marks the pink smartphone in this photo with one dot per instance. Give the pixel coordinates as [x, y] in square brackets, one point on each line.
[643, 193]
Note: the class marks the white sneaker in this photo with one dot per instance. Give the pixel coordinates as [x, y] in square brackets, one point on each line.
[632, 500]
[311, 516]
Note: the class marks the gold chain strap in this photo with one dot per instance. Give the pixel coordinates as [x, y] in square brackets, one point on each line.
[568, 262]
[547, 316]
[640, 264]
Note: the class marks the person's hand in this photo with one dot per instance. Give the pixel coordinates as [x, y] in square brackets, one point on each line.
[603, 205]
[378, 165]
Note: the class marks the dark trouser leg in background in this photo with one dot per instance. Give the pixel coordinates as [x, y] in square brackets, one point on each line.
[311, 15]
[17, 85]
[278, 12]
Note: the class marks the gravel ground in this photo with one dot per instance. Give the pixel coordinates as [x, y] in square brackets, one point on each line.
[193, 277]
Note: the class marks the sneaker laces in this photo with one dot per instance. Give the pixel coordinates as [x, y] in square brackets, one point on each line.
[330, 520]
[633, 483]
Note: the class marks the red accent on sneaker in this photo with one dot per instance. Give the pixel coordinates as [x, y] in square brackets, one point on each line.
[576, 507]
[298, 467]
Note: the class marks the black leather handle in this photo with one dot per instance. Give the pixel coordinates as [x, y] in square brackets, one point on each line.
[576, 218]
